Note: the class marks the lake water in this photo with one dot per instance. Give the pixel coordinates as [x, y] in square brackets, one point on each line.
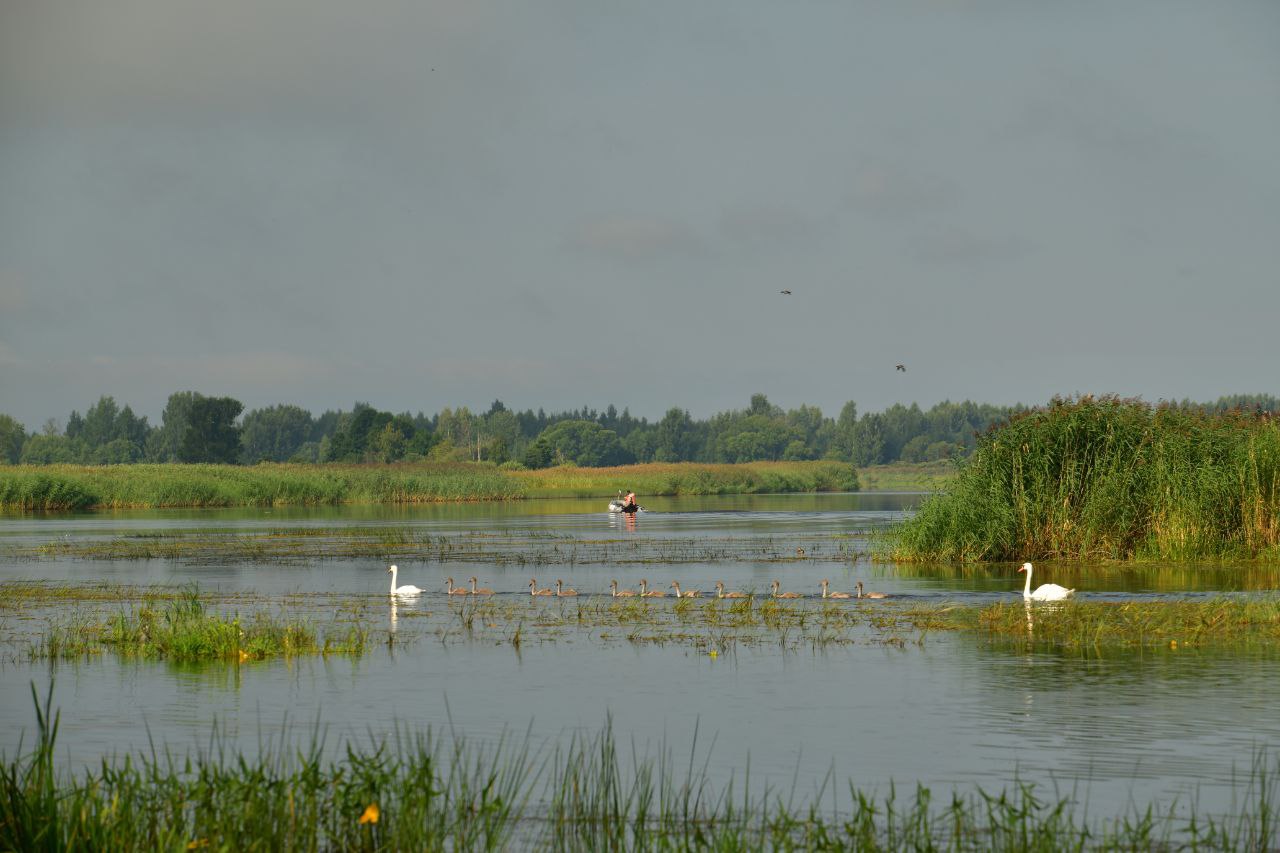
[952, 710]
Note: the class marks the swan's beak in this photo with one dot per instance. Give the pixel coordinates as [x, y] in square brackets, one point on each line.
[1022, 568]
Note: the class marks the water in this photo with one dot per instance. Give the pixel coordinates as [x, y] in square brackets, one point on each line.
[952, 710]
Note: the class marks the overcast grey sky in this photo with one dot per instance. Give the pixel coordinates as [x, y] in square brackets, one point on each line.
[421, 204]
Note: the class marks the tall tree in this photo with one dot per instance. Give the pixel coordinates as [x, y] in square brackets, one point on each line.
[274, 433]
[212, 434]
[12, 437]
[165, 442]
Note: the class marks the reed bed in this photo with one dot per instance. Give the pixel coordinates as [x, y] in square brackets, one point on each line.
[419, 791]
[73, 487]
[1107, 479]
[691, 478]
[907, 476]
[69, 487]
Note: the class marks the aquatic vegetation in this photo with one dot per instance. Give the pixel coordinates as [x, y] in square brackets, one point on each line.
[1107, 479]
[419, 791]
[406, 545]
[185, 629]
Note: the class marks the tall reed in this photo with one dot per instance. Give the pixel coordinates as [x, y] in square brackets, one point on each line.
[1107, 479]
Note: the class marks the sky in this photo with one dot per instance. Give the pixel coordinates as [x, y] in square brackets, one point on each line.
[422, 204]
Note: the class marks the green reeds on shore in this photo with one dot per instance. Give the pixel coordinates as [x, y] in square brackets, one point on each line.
[418, 791]
[71, 487]
[65, 487]
[184, 629]
[691, 478]
[1107, 479]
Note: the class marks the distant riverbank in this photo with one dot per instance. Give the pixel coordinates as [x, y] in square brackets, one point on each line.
[74, 487]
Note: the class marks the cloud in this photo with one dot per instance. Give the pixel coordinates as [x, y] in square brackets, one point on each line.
[767, 226]
[635, 238]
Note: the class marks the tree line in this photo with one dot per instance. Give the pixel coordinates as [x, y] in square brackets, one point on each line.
[197, 428]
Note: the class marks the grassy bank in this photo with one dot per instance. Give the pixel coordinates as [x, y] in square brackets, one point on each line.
[419, 792]
[1107, 479]
[64, 487]
[690, 478]
[70, 487]
[907, 476]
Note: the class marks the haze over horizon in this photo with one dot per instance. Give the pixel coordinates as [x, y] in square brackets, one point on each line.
[436, 204]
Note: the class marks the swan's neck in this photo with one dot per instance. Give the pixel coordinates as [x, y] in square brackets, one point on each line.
[393, 580]
[676, 587]
[1026, 590]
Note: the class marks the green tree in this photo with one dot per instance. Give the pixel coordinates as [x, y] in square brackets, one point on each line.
[844, 435]
[677, 438]
[165, 442]
[582, 442]
[12, 436]
[212, 434]
[274, 434]
[51, 449]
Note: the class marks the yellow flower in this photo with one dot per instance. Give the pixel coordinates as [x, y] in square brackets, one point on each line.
[371, 814]
[714, 653]
[198, 843]
[244, 656]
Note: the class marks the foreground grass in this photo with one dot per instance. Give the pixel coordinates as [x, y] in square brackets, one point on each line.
[70, 487]
[419, 792]
[1108, 479]
[690, 478]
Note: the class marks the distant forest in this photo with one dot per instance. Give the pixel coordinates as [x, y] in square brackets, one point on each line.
[196, 428]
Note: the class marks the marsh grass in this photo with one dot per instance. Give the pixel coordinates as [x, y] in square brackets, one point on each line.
[185, 629]
[419, 791]
[71, 487]
[1174, 624]
[1107, 479]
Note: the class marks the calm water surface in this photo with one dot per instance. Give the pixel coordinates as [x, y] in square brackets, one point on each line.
[953, 710]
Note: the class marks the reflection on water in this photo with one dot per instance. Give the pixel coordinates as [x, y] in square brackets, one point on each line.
[950, 710]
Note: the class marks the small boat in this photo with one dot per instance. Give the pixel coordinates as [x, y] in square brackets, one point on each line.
[619, 505]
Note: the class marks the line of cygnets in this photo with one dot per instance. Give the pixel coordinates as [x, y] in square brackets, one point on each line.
[561, 591]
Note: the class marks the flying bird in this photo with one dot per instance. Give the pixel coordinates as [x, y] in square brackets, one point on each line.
[902, 367]
[785, 292]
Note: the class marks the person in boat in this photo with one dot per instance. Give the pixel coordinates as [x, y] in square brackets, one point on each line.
[629, 503]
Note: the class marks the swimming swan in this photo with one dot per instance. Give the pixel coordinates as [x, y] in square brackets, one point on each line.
[862, 594]
[408, 589]
[826, 594]
[1044, 592]
[692, 593]
[720, 593]
[776, 594]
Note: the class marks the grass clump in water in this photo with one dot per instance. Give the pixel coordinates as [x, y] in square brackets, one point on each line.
[1107, 479]
[186, 630]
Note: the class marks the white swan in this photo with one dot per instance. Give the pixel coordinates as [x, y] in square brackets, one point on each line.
[1044, 592]
[407, 589]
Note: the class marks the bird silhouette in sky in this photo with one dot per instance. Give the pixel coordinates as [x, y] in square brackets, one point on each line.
[785, 292]
[902, 367]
